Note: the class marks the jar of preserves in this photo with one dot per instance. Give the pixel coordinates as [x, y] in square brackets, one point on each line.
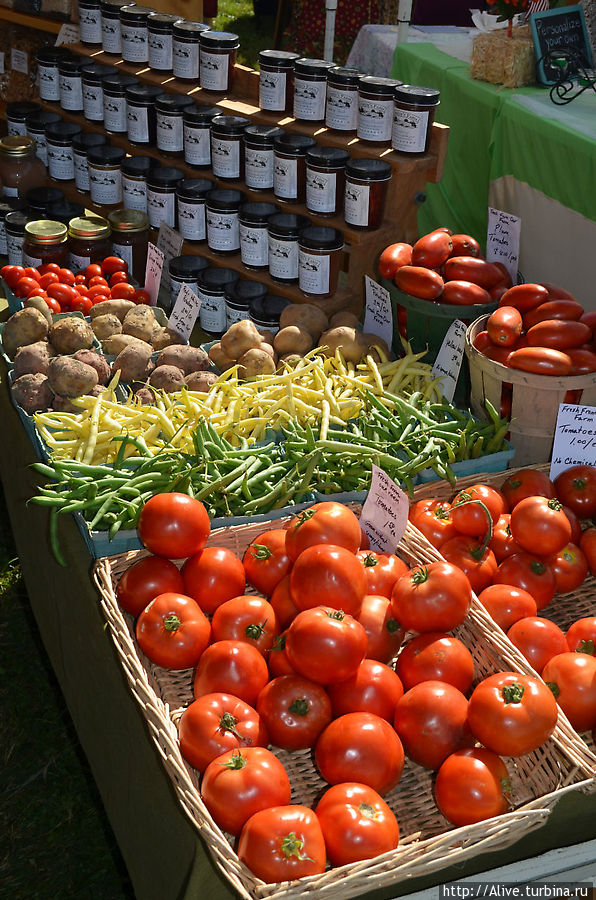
[310, 88]
[70, 83]
[341, 112]
[284, 232]
[227, 147]
[239, 295]
[289, 173]
[211, 285]
[20, 169]
[413, 116]
[259, 155]
[185, 270]
[223, 223]
[130, 239]
[47, 71]
[111, 40]
[88, 241]
[90, 22]
[92, 75]
[17, 113]
[45, 242]
[81, 143]
[191, 199]
[105, 177]
[39, 199]
[366, 189]
[14, 227]
[36, 129]
[134, 33]
[265, 311]
[63, 211]
[319, 260]
[59, 138]
[218, 59]
[114, 101]
[197, 134]
[162, 182]
[134, 170]
[276, 80]
[325, 179]
[141, 117]
[160, 40]
[375, 108]
[8, 204]
[185, 49]
[254, 233]
[169, 116]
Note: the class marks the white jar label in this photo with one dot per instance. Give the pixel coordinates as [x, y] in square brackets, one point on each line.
[313, 272]
[9, 191]
[191, 221]
[78, 263]
[134, 193]
[16, 127]
[285, 178]
[212, 316]
[134, 43]
[160, 51]
[90, 25]
[49, 82]
[31, 260]
[14, 248]
[320, 191]
[176, 287]
[342, 109]
[170, 135]
[61, 162]
[105, 186]
[114, 113]
[225, 158]
[197, 146]
[283, 258]
[185, 60]
[3, 247]
[214, 71]
[258, 168]
[124, 251]
[223, 231]
[374, 119]
[137, 119]
[110, 35]
[410, 127]
[41, 147]
[235, 315]
[71, 92]
[93, 102]
[81, 170]
[356, 203]
[161, 207]
[254, 245]
[309, 99]
[272, 90]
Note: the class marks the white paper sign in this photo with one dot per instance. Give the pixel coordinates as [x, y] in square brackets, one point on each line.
[378, 317]
[447, 365]
[575, 438]
[19, 61]
[169, 241]
[385, 512]
[153, 271]
[68, 34]
[185, 312]
[502, 240]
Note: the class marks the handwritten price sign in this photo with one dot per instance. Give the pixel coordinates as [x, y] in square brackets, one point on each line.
[502, 240]
[153, 272]
[378, 317]
[185, 312]
[447, 365]
[385, 512]
[575, 438]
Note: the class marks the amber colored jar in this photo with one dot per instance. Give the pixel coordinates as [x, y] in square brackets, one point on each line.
[284, 232]
[45, 242]
[341, 112]
[88, 241]
[130, 239]
[185, 49]
[20, 168]
[413, 116]
[259, 156]
[14, 228]
[218, 58]
[319, 260]
[289, 174]
[310, 88]
[134, 34]
[227, 147]
[276, 80]
[366, 189]
[375, 108]
[325, 179]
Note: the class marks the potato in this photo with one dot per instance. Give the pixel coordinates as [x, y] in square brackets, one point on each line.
[117, 308]
[97, 362]
[293, 339]
[377, 347]
[40, 304]
[167, 378]
[71, 378]
[289, 359]
[64, 404]
[266, 336]
[33, 392]
[105, 326]
[256, 362]
[240, 337]
[165, 337]
[219, 358]
[347, 340]
[26, 326]
[200, 381]
[32, 358]
[140, 322]
[350, 320]
[307, 316]
[70, 334]
[270, 349]
[115, 344]
[145, 395]
[134, 362]
[189, 359]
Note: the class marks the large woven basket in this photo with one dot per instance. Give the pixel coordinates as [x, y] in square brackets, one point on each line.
[429, 843]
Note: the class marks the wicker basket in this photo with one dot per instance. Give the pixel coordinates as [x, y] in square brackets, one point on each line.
[428, 842]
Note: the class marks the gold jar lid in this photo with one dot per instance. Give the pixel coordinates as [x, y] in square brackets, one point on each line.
[128, 220]
[45, 231]
[93, 227]
[17, 146]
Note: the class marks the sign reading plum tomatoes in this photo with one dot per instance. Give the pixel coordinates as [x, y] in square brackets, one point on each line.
[385, 512]
[502, 240]
[575, 438]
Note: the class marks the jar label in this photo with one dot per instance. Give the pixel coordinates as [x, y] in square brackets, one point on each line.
[124, 251]
[235, 315]
[77, 263]
[223, 231]
[285, 178]
[160, 51]
[105, 185]
[191, 221]
[81, 170]
[3, 247]
[374, 119]
[41, 147]
[214, 71]
[31, 260]
[225, 158]
[161, 208]
[410, 127]
[134, 193]
[114, 113]
[309, 99]
[272, 90]
[313, 274]
[176, 287]
[90, 25]
[197, 146]
[185, 60]
[356, 203]
[16, 127]
[137, 118]
[110, 35]
[71, 92]
[61, 162]
[258, 168]
[134, 43]
[212, 316]
[49, 82]
[321, 191]
[170, 135]
[93, 102]
[342, 109]
[14, 249]
[9, 191]
[254, 245]
[283, 258]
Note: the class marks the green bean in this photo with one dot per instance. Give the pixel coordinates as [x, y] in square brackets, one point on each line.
[54, 541]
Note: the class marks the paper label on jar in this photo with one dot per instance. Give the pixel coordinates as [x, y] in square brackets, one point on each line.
[3, 247]
[170, 135]
[214, 71]
[41, 147]
[197, 146]
[137, 118]
[49, 82]
[320, 191]
[81, 170]
[78, 263]
[31, 260]
[223, 231]
[409, 130]
[309, 99]
[105, 186]
[71, 92]
[356, 203]
[254, 245]
[14, 249]
[225, 158]
[160, 51]
[19, 61]
[191, 221]
[134, 194]
[9, 191]
[235, 315]
[93, 102]
[61, 162]
[114, 113]
[313, 272]
[258, 168]
[161, 208]
[212, 316]
[90, 25]
[110, 35]
[342, 109]
[16, 128]
[124, 251]
[374, 119]
[185, 60]
[134, 43]
[285, 178]
[272, 90]
[283, 258]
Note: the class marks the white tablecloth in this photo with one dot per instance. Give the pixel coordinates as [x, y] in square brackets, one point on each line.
[372, 51]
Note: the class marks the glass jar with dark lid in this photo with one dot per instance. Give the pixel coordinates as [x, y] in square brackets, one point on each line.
[114, 101]
[341, 111]
[169, 112]
[17, 113]
[134, 32]
[413, 116]
[185, 270]
[375, 108]
[160, 42]
[310, 88]
[92, 75]
[135, 170]
[227, 146]
[81, 143]
[64, 210]
[254, 233]
[38, 200]
[89, 22]
[88, 241]
[211, 284]
[265, 311]
[8, 204]
[284, 231]
[218, 59]
[197, 134]
[191, 195]
[59, 137]
[162, 182]
[70, 82]
[185, 49]
[325, 179]
[47, 71]
[130, 239]
[239, 295]
[36, 129]
[105, 177]
[276, 80]
[20, 169]
[14, 227]
[223, 224]
[44, 242]
[111, 41]
[141, 120]
[259, 161]
[366, 189]
[289, 174]
[319, 260]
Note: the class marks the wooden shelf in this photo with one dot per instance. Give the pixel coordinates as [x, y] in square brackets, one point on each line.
[39, 23]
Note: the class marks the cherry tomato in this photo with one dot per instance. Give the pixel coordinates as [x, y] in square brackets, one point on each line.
[435, 656]
[144, 580]
[392, 257]
[553, 309]
[215, 724]
[538, 639]
[540, 526]
[507, 604]
[329, 575]
[99, 292]
[122, 291]
[356, 822]
[524, 297]
[464, 293]
[11, 274]
[24, 286]
[266, 560]
[325, 644]
[47, 279]
[48, 267]
[246, 618]
[283, 843]
[527, 483]
[231, 667]
[576, 488]
[581, 635]
[324, 523]
[504, 326]
[173, 631]
[37, 292]
[82, 304]
[66, 276]
[281, 601]
[53, 305]
[431, 720]
[174, 525]
[97, 279]
[384, 633]
[572, 679]
[92, 270]
[540, 360]
[472, 785]
[475, 560]
[141, 296]
[570, 568]
[465, 245]
[431, 250]
[502, 542]
[435, 597]
[471, 508]
[419, 281]
[382, 571]
[295, 711]
[80, 279]
[212, 576]
[374, 688]
[530, 573]
[64, 294]
[113, 264]
[470, 268]
[118, 277]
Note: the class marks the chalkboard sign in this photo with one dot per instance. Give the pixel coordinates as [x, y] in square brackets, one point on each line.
[563, 30]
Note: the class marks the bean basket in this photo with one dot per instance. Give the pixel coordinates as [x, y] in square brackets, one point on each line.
[428, 843]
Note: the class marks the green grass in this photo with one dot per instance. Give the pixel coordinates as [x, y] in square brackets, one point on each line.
[255, 33]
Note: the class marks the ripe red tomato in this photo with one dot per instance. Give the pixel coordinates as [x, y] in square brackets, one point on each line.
[559, 334]
[570, 568]
[117, 278]
[360, 746]
[266, 560]
[507, 604]
[47, 279]
[502, 542]
[113, 264]
[282, 603]
[83, 304]
[80, 279]
[64, 294]
[97, 279]
[173, 631]
[587, 544]
[527, 483]
[394, 256]
[465, 245]
[99, 292]
[239, 783]
[470, 268]
[553, 309]
[540, 525]
[555, 292]
[246, 618]
[283, 843]
[174, 525]
[436, 597]
[472, 785]
[524, 297]
[431, 250]
[48, 267]
[504, 326]
[382, 571]
[212, 576]
[583, 362]
[467, 509]
[123, 291]
[144, 580]
[581, 635]
[511, 713]
[435, 656]
[431, 720]
[141, 296]
[66, 276]
[433, 519]
[325, 645]
[324, 523]
[572, 678]
[374, 688]
[11, 274]
[24, 286]
[216, 723]
[540, 360]
[419, 281]
[92, 270]
[53, 305]
[231, 667]
[538, 639]
[383, 631]
[530, 573]
[576, 488]
[32, 272]
[464, 293]
[278, 661]
[295, 711]
[356, 822]
[325, 574]
[576, 528]
[475, 560]
[37, 292]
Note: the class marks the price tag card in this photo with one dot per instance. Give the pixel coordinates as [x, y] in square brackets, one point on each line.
[502, 240]
[378, 316]
[575, 438]
[153, 272]
[385, 512]
[169, 242]
[185, 312]
[447, 365]
[68, 34]
[19, 61]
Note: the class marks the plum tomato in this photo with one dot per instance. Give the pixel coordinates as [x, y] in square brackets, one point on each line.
[465, 245]
[431, 250]
[92, 270]
[540, 361]
[504, 326]
[470, 268]
[392, 257]
[464, 293]
[122, 291]
[97, 279]
[11, 274]
[113, 264]
[64, 294]
[118, 277]
[66, 276]
[524, 297]
[419, 281]
[141, 296]
[24, 286]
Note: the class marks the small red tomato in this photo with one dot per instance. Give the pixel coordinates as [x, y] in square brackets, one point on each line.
[24, 286]
[97, 279]
[394, 256]
[117, 277]
[113, 264]
[53, 304]
[66, 276]
[99, 291]
[505, 326]
[122, 291]
[11, 274]
[81, 278]
[63, 293]
[141, 296]
[48, 267]
[32, 272]
[47, 279]
[83, 304]
[37, 292]
[92, 269]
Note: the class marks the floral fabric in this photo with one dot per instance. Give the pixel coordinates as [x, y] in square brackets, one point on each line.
[306, 32]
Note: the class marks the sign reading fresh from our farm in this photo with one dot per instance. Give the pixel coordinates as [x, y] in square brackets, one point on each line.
[447, 365]
[561, 31]
[575, 438]
[378, 317]
[502, 240]
[185, 312]
[385, 512]
[153, 271]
